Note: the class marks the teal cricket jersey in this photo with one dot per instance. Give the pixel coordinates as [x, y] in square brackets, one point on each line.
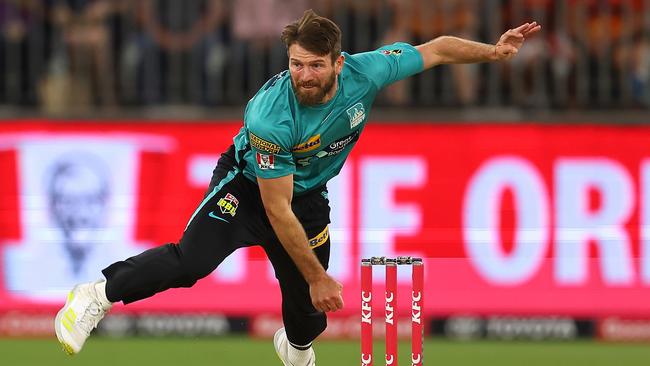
[282, 137]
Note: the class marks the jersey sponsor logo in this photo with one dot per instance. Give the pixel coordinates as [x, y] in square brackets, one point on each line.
[264, 161]
[332, 149]
[356, 114]
[338, 146]
[391, 52]
[263, 145]
[312, 143]
[320, 239]
[305, 161]
[228, 204]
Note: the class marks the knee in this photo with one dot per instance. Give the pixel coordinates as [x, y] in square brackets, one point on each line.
[182, 269]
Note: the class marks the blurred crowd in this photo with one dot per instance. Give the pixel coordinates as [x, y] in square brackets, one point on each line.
[84, 54]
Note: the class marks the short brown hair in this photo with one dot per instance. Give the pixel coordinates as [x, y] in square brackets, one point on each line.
[314, 33]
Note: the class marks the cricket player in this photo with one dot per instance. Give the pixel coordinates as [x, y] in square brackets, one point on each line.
[269, 187]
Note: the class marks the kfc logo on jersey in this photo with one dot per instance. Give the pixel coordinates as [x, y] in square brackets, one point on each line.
[265, 161]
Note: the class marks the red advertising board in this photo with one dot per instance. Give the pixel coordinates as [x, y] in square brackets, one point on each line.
[516, 219]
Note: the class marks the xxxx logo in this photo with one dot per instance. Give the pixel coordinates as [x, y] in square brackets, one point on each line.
[319, 239]
[366, 359]
[312, 144]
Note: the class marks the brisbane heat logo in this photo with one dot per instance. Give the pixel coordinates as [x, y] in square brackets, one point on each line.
[356, 114]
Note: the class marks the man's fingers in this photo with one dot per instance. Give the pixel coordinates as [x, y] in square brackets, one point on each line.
[338, 302]
[322, 306]
[333, 304]
[522, 27]
[511, 36]
[533, 30]
[510, 42]
[525, 29]
[326, 295]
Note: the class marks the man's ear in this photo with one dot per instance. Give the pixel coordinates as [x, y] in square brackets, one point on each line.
[338, 64]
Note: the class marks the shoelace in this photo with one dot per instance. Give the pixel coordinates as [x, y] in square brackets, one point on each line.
[91, 317]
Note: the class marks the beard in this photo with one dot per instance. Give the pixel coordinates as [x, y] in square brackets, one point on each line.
[316, 93]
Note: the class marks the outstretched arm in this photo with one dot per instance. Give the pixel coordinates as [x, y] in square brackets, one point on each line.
[453, 50]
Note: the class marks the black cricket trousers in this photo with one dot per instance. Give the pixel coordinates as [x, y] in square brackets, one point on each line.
[231, 216]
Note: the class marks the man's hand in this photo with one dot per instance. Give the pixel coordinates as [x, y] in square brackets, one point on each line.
[326, 294]
[512, 40]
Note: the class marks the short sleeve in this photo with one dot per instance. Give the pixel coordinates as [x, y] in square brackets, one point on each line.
[271, 154]
[389, 63]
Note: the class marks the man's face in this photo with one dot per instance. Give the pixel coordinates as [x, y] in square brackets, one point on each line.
[313, 76]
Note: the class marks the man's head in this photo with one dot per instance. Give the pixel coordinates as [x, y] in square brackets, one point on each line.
[314, 49]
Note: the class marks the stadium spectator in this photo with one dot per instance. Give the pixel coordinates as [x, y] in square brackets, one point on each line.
[81, 71]
[417, 21]
[177, 53]
[76, 55]
[22, 26]
[362, 23]
[607, 37]
[640, 66]
[256, 51]
[529, 76]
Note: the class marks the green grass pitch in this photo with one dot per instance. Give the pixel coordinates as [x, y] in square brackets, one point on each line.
[237, 351]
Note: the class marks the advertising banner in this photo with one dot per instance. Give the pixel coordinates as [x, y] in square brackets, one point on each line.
[510, 219]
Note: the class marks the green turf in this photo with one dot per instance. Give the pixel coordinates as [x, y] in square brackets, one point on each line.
[243, 351]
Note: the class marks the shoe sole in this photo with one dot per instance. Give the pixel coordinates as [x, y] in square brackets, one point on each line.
[57, 327]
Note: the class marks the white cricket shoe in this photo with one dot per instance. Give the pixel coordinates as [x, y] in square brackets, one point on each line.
[82, 312]
[281, 344]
